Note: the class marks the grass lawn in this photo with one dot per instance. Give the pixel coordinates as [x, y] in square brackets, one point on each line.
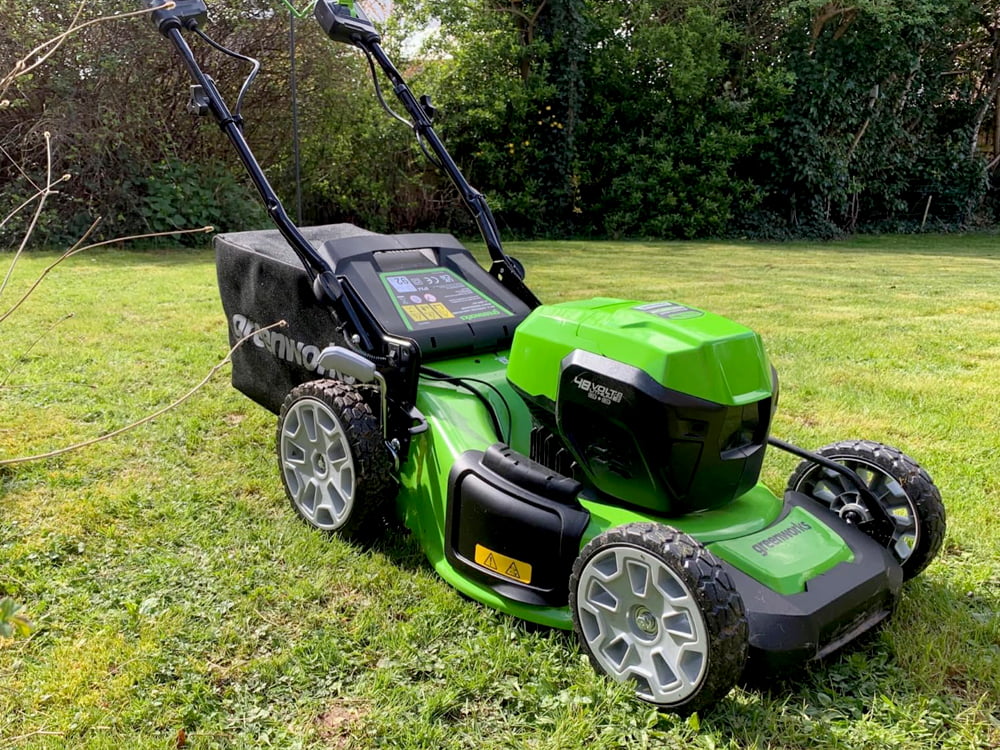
[173, 590]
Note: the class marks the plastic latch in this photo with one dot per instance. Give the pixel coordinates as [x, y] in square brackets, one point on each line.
[198, 103]
[344, 361]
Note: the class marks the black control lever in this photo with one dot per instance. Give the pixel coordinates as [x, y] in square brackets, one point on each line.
[429, 109]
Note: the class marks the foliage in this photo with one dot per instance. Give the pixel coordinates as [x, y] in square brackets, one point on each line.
[669, 124]
[137, 163]
[877, 129]
[693, 119]
[177, 194]
[659, 118]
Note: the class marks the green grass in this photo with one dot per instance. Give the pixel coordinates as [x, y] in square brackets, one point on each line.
[172, 588]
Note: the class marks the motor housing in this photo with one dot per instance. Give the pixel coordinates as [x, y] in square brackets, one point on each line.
[660, 406]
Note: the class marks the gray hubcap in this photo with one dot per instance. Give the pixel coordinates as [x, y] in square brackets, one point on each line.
[642, 623]
[317, 464]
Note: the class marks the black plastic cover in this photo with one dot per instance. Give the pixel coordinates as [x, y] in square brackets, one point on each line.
[653, 447]
[428, 287]
[503, 506]
[836, 607]
[172, 18]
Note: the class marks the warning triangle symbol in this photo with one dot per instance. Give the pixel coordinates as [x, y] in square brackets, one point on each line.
[513, 572]
[489, 562]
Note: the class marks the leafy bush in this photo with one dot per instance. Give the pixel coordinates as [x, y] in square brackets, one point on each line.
[180, 195]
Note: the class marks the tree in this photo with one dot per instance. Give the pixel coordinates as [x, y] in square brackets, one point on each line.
[876, 132]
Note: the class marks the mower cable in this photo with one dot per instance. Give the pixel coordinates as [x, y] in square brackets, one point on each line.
[427, 154]
[427, 372]
[378, 92]
[392, 113]
[254, 63]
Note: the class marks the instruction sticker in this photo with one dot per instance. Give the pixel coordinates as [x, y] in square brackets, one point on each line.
[425, 298]
[505, 566]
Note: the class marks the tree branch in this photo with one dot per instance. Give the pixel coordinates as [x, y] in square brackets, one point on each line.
[76, 249]
[150, 417]
[46, 49]
[38, 209]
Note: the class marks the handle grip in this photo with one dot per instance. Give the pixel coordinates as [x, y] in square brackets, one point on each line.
[185, 13]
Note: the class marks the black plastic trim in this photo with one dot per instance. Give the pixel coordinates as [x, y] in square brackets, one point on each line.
[836, 607]
[510, 505]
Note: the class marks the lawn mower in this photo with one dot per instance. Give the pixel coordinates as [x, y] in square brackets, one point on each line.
[590, 465]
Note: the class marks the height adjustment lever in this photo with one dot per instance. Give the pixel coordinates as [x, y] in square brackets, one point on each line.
[429, 109]
[198, 103]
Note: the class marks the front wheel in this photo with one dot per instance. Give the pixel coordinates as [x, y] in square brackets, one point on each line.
[335, 467]
[904, 490]
[652, 606]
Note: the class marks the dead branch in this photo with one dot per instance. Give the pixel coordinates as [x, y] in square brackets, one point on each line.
[845, 16]
[28, 202]
[15, 162]
[38, 209]
[76, 249]
[991, 96]
[46, 49]
[149, 417]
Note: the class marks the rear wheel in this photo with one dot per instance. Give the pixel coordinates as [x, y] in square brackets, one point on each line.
[335, 467]
[904, 490]
[652, 606]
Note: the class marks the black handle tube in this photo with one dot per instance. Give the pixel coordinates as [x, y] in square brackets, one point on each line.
[314, 264]
[502, 267]
[878, 512]
[470, 196]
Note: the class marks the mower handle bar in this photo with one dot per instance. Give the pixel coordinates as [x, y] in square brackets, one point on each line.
[186, 14]
[230, 125]
[502, 267]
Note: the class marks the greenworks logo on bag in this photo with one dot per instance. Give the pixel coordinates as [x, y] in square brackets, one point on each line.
[279, 345]
[781, 537]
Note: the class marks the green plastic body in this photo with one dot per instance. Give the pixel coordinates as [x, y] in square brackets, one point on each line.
[682, 348]
[458, 422]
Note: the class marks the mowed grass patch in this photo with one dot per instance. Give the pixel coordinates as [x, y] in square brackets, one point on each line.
[173, 589]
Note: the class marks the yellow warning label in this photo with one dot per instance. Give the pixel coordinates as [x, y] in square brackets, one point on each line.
[429, 312]
[414, 312]
[441, 310]
[505, 566]
[421, 313]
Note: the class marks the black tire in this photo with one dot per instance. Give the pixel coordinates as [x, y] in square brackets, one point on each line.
[900, 484]
[335, 467]
[638, 587]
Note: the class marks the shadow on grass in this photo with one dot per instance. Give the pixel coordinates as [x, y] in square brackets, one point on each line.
[816, 701]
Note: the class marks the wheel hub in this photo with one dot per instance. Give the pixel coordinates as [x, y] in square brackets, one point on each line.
[644, 622]
[319, 461]
[854, 513]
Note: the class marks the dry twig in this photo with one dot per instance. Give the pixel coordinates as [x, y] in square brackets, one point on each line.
[46, 49]
[77, 249]
[149, 417]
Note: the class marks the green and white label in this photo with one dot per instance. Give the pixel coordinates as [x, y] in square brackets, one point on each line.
[428, 297]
